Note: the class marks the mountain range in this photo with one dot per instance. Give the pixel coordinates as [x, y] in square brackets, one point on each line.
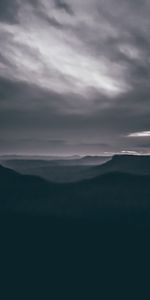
[70, 169]
[119, 193]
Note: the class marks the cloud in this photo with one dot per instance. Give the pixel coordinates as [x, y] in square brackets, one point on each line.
[56, 59]
[130, 152]
[140, 134]
[60, 4]
[76, 71]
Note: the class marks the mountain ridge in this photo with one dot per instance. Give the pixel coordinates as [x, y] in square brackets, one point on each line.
[135, 164]
[104, 197]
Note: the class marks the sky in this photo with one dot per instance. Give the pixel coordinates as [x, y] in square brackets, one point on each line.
[74, 77]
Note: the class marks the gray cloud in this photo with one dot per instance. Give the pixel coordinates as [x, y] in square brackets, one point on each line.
[76, 72]
[60, 4]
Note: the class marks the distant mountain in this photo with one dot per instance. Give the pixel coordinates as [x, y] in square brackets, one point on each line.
[36, 157]
[93, 160]
[65, 170]
[111, 196]
[75, 170]
[63, 161]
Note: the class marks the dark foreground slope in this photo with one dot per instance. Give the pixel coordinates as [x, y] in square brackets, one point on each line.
[75, 241]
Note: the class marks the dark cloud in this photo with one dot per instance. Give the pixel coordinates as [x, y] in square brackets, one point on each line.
[60, 4]
[53, 22]
[8, 11]
[39, 10]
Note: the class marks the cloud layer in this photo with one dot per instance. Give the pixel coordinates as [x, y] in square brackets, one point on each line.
[74, 72]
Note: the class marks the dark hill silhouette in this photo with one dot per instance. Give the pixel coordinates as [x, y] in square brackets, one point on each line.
[134, 164]
[6, 174]
[110, 196]
[75, 170]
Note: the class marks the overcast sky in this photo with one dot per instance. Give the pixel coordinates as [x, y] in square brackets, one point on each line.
[74, 76]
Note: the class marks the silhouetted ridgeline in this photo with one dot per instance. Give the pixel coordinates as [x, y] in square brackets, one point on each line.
[134, 164]
[111, 197]
[56, 170]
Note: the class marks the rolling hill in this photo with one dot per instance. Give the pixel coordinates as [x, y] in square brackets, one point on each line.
[112, 196]
[57, 170]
